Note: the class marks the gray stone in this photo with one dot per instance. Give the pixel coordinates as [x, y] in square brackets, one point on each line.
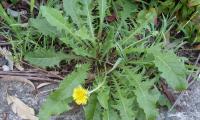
[189, 106]
[28, 95]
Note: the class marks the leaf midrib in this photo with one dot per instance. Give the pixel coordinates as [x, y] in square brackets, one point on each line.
[168, 66]
[121, 99]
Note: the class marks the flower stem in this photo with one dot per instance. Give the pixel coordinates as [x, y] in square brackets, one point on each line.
[98, 87]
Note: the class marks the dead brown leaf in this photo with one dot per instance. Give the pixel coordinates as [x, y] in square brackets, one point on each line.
[18, 66]
[42, 85]
[21, 109]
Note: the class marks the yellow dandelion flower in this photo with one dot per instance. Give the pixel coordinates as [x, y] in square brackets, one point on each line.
[80, 95]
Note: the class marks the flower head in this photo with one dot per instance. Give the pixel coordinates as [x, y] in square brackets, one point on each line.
[80, 95]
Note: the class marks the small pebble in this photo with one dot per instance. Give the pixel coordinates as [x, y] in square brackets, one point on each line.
[199, 77]
[5, 68]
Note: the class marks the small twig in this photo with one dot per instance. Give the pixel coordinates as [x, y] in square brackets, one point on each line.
[4, 44]
[32, 71]
[42, 70]
[166, 92]
[190, 49]
[42, 79]
[47, 91]
[29, 74]
[34, 78]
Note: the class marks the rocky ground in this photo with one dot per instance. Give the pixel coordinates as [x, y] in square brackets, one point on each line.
[27, 94]
[188, 105]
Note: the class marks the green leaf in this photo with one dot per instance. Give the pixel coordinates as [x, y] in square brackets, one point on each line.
[14, 1]
[43, 26]
[163, 101]
[146, 100]
[79, 48]
[103, 98]
[70, 8]
[83, 33]
[81, 14]
[146, 16]
[84, 52]
[32, 4]
[45, 57]
[92, 109]
[108, 44]
[88, 13]
[8, 20]
[102, 12]
[54, 108]
[56, 103]
[123, 104]
[129, 7]
[54, 17]
[110, 114]
[127, 11]
[73, 80]
[172, 68]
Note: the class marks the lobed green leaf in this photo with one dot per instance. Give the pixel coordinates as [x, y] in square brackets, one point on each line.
[45, 57]
[54, 17]
[172, 68]
[43, 26]
[92, 109]
[145, 99]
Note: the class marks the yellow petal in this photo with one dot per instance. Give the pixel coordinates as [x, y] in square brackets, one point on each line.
[80, 95]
